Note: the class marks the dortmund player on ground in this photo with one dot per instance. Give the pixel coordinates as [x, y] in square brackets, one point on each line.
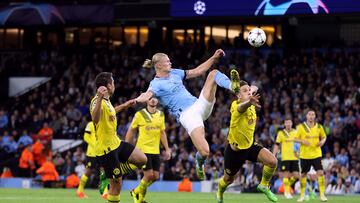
[312, 137]
[110, 150]
[241, 145]
[289, 160]
[150, 124]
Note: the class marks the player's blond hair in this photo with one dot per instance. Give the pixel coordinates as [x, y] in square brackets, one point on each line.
[149, 63]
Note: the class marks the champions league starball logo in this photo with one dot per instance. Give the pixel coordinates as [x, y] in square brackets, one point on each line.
[281, 9]
[199, 7]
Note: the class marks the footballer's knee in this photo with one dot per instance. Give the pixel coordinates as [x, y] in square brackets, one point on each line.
[212, 74]
[320, 172]
[273, 162]
[204, 152]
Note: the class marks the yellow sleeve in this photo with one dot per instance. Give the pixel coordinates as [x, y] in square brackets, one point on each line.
[162, 127]
[233, 108]
[298, 131]
[93, 104]
[322, 131]
[279, 137]
[135, 121]
[87, 134]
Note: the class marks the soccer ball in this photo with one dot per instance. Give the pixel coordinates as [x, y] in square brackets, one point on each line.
[257, 37]
[199, 7]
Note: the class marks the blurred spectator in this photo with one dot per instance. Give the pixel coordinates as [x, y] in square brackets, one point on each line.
[72, 113]
[78, 155]
[68, 167]
[38, 151]
[343, 158]
[58, 162]
[328, 162]
[8, 144]
[79, 168]
[72, 131]
[48, 173]
[45, 134]
[6, 173]
[4, 120]
[26, 162]
[349, 188]
[72, 181]
[185, 185]
[337, 189]
[24, 140]
[357, 185]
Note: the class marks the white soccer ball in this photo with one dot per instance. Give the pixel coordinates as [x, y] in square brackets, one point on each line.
[257, 37]
[199, 7]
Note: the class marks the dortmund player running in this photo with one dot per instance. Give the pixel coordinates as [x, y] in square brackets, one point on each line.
[312, 137]
[150, 123]
[289, 160]
[91, 163]
[110, 150]
[241, 145]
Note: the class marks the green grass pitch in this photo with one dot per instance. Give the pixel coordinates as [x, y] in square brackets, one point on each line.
[68, 196]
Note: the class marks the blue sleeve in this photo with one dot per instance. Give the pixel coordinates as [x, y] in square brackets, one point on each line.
[178, 72]
[154, 87]
[296, 146]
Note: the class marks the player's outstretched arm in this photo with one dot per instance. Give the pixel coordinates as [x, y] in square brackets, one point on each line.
[144, 97]
[202, 68]
[125, 105]
[254, 100]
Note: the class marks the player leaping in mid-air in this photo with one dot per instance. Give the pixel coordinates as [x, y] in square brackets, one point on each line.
[168, 87]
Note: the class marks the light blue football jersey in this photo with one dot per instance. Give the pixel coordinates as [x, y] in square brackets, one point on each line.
[172, 93]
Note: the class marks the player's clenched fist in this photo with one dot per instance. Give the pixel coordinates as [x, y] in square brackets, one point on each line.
[101, 91]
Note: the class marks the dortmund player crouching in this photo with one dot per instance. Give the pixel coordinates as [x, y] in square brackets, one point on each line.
[241, 145]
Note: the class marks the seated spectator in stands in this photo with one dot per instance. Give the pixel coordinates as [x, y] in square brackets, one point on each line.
[68, 167]
[328, 162]
[58, 162]
[6, 173]
[24, 140]
[72, 113]
[9, 145]
[343, 158]
[45, 134]
[26, 162]
[357, 185]
[185, 185]
[72, 181]
[72, 131]
[349, 188]
[337, 189]
[79, 168]
[79, 153]
[48, 173]
[357, 150]
[4, 120]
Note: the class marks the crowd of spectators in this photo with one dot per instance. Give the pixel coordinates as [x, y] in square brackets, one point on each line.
[326, 80]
